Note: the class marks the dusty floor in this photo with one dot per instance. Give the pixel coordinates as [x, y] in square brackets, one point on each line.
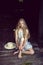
[7, 58]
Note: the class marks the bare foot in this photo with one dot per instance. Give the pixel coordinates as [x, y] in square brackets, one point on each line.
[15, 52]
[19, 56]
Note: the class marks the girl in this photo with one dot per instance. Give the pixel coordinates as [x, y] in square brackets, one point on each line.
[21, 38]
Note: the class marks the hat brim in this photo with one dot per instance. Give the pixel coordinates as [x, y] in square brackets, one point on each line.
[7, 47]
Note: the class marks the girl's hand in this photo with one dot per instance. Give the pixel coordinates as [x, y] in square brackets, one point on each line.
[20, 47]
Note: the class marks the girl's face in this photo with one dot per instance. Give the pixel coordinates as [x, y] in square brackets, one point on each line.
[22, 23]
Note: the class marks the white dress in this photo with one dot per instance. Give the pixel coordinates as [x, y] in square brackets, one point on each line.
[27, 45]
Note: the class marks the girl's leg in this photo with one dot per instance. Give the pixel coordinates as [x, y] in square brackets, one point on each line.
[30, 51]
[16, 52]
[20, 54]
[20, 51]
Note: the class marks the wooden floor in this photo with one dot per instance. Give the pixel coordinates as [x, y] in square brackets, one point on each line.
[7, 58]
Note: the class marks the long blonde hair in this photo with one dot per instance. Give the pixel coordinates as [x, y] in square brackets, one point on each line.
[24, 27]
[18, 25]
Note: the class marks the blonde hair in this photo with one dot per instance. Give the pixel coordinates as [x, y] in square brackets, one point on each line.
[24, 27]
[18, 25]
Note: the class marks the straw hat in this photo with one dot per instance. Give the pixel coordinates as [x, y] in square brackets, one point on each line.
[10, 45]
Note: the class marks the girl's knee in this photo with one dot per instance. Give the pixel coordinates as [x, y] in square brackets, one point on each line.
[22, 39]
[32, 52]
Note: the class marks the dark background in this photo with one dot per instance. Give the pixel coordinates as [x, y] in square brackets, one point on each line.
[12, 11]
